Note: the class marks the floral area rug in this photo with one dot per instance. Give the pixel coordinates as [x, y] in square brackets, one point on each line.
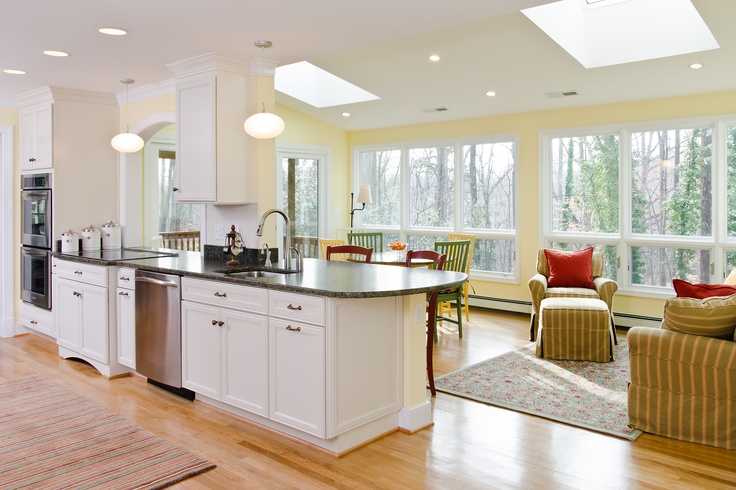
[586, 394]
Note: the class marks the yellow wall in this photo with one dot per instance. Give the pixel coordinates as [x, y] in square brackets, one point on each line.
[527, 126]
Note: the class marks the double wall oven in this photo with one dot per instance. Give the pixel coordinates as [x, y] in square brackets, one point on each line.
[36, 240]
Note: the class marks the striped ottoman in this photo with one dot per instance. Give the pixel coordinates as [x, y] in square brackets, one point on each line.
[577, 329]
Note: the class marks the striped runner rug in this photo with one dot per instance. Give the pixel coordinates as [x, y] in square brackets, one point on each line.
[52, 438]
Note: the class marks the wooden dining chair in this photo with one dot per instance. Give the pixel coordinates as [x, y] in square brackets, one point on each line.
[324, 243]
[456, 261]
[438, 261]
[466, 284]
[349, 250]
[371, 239]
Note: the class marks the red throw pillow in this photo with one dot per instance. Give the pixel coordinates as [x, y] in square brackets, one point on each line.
[570, 270]
[685, 289]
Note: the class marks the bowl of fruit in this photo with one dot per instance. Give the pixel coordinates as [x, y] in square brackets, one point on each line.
[397, 245]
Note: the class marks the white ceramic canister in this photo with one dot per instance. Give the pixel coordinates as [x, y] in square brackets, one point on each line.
[111, 237]
[91, 238]
[69, 242]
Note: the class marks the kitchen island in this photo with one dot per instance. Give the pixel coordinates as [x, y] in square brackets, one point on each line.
[333, 355]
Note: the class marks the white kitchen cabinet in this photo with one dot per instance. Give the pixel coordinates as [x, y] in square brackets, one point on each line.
[83, 325]
[225, 350]
[36, 137]
[213, 155]
[37, 319]
[125, 299]
[297, 375]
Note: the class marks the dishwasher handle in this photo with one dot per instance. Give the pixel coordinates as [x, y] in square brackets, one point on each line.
[170, 284]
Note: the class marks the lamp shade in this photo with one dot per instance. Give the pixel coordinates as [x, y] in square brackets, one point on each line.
[264, 125]
[127, 143]
[364, 195]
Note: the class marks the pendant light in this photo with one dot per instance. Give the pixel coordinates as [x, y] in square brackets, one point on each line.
[263, 125]
[127, 142]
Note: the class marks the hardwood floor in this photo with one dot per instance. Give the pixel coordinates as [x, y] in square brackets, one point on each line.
[471, 445]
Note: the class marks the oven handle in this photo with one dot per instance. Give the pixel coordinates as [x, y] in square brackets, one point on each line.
[35, 252]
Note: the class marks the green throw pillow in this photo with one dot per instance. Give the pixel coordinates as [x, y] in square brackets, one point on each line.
[709, 317]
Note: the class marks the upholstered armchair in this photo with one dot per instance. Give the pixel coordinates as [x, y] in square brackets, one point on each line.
[683, 374]
[598, 288]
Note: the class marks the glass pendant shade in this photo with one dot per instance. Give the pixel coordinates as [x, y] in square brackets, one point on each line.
[264, 125]
[127, 143]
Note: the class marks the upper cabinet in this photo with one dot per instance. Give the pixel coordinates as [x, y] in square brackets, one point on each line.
[214, 161]
[36, 136]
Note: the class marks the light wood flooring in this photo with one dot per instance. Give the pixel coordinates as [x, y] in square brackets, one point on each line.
[471, 445]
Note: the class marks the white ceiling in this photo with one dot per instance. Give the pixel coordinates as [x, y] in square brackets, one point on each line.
[381, 46]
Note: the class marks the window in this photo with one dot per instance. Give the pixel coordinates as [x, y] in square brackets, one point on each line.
[424, 191]
[644, 195]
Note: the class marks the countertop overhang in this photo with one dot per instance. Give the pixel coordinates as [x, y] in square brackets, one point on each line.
[319, 277]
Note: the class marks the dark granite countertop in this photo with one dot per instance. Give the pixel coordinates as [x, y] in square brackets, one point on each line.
[318, 277]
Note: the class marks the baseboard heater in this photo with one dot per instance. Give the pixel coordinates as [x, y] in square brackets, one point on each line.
[624, 320]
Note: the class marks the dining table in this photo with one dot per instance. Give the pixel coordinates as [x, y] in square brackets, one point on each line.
[396, 257]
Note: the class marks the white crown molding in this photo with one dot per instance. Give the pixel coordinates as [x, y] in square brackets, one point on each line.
[49, 94]
[9, 102]
[209, 62]
[146, 92]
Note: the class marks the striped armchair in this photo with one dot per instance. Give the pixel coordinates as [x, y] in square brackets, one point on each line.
[682, 386]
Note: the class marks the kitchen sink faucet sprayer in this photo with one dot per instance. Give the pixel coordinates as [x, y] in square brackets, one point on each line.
[287, 235]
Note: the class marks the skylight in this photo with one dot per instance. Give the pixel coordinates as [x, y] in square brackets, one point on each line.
[316, 87]
[611, 32]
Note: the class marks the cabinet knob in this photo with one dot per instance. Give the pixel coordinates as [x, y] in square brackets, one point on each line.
[77, 294]
[79, 273]
[34, 322]
[175, 189]
[214, 322]
[220, 295]
[31, 159]
[123, 293]
[292, 329]
[220, 323]
[123, 278]
[292, 307]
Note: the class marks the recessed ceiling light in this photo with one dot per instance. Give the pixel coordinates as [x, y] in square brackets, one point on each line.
[345, 114]
[112, 31]
[434, 57]
[14, 72]
[59, 54]
[696, 66]
[491, 93]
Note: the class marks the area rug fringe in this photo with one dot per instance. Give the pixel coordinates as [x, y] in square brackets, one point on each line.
[52, 438]
[590, 395]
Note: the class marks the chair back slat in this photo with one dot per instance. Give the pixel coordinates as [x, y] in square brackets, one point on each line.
[457, 254]
[438, 259]
[324, 243]
[465, 236]
[370, 239]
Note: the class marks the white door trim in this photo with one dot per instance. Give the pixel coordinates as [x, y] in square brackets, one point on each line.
[7, 284]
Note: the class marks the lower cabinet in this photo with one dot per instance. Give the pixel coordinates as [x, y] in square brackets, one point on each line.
[125, 299]
[225, 351]
[297, 375]
[82, 310]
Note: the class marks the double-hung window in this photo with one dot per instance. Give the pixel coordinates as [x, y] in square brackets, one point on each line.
[424, 191]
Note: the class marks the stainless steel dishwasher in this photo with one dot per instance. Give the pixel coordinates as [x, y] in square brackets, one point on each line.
[158, 330]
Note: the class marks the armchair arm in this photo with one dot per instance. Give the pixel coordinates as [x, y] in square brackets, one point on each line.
[538, 288]
[606, 288]
[682, 386]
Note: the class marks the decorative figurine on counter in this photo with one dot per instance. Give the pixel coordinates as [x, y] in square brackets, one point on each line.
[233, 246]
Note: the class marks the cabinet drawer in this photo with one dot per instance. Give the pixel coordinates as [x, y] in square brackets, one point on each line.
[37, 319]
[126, 278]
[225, 295]
[297, 307]
[87, 273]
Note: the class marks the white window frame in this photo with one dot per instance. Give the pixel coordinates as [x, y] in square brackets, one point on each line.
[718, 244]
[404, 229]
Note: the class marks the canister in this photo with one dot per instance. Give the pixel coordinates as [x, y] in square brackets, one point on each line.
[69, 242]
[91, 238]
[111, 236]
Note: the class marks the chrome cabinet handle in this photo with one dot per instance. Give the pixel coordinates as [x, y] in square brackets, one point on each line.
[218, 324]
[292, 307]
[34, 322]
[31, 159]
[79, 273]
[77, 294]
[123, 278]
[220, 295]
[292, 329]
[123, 293]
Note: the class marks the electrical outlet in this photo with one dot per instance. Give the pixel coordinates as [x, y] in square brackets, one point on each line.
[418, 313]
[218, 232]
[336, 213]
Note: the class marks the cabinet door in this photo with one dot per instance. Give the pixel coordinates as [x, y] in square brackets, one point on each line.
[68, 309]
[95, 328]
[245, 361]
[196, 157]
[36, 139]
[126, 327]
[201, 348]
[297, 375]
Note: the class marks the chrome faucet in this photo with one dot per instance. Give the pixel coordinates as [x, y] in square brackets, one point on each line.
[287, 235]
